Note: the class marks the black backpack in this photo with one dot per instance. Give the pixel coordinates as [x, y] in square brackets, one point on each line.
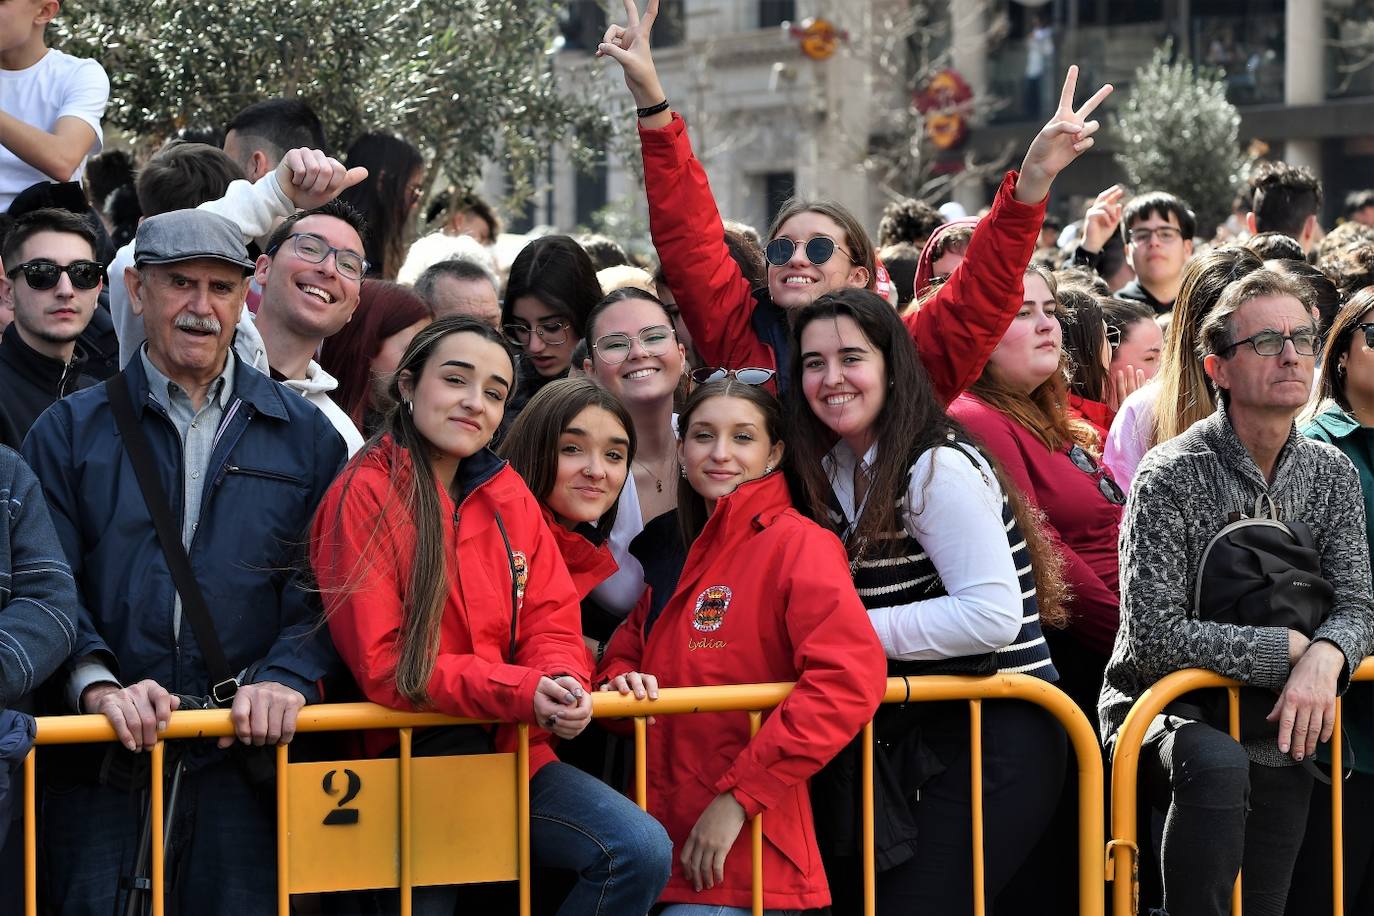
[1257, 571]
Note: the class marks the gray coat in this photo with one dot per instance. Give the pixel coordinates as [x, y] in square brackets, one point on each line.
[1183, 493]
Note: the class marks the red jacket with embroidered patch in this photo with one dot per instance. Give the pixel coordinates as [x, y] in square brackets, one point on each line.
[955, 332]
[765, 596]
[362, 547]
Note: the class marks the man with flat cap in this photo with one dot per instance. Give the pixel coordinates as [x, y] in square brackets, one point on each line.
[181, 490]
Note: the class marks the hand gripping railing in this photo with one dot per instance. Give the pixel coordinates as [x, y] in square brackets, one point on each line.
[755, 699]
[1123, 849]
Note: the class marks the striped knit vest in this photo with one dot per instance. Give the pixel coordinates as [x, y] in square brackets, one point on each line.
[910, 576]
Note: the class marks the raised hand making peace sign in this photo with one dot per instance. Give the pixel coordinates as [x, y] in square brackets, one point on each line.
[1066, 137]
[629, 45]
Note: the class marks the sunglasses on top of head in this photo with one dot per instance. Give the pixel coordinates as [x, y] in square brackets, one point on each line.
[818, 250]
[44, 274]
[747, 376]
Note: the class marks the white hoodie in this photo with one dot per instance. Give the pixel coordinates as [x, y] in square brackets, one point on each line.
[315, 387]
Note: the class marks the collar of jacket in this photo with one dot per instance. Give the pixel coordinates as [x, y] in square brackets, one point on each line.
[43, 370]
[752, 507]
[250, 386]
[773, 326]
[473, 472]
[584, 548]
[1218, 432]
[1336, 422]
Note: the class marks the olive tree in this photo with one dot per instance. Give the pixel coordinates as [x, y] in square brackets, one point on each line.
[467, 82]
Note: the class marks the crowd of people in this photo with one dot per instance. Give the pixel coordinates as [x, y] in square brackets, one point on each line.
[259, 449]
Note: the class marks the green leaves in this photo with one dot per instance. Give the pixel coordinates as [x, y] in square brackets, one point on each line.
[1178, 133]
[468, 82]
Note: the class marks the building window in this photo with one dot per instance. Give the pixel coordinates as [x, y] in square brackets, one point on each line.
[590, 191]
[776, 12]
[583, 25]
[778, 188]
[671, 26]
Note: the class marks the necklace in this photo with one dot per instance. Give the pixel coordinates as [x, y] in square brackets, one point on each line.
[658, 481]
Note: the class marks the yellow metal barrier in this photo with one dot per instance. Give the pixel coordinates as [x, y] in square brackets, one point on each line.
[1123, 850]
[307, 857]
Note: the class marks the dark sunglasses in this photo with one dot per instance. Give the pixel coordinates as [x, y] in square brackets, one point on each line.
[44, 274]
[1105, 485]
[748, 376]
[1368, 331]
[818, 250]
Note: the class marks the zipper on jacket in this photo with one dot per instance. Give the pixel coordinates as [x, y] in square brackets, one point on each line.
[258, 472]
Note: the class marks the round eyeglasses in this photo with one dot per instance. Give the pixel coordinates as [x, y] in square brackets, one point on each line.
[615, 348]
[818, 250]
[553, 332]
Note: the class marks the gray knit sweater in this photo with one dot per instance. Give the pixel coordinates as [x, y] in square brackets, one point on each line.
[1182, 495]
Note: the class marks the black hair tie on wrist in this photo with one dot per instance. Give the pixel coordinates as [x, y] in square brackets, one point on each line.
[652, 109]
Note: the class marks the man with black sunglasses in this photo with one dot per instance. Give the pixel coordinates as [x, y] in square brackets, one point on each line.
[52, 282]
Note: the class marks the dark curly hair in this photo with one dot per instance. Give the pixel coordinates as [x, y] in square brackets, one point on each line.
[911, 221]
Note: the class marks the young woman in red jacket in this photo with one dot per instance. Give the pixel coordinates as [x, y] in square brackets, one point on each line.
[1018, 411]
[764, 596]
[445, 590]
[956, 578]
[819, 247]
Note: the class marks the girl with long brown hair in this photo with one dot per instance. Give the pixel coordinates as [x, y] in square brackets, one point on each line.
[444, 590]
[950, 564]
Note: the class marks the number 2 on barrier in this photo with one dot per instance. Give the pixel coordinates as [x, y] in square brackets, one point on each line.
[341, 815]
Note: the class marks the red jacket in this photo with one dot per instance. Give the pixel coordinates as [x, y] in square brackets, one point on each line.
[362, 547]
[1095, 413]
[732, 326]
[765, 596]
[589, 560]
[1082, 523]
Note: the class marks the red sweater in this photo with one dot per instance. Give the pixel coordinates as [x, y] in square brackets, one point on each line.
[956, 332]
[362, 547]
[765, 596]
[1082, 523]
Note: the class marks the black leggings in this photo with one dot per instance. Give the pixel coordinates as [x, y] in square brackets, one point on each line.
[1223, 812]
[1024, 750]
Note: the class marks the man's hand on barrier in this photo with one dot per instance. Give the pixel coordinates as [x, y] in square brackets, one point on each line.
[703, 856]
[137, 713]
[264, 714]
[561, 706]
[640, 684]
[1306, 708]
[312, 179]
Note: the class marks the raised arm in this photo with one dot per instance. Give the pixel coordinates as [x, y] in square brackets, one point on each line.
[959, 328]
[715, 299]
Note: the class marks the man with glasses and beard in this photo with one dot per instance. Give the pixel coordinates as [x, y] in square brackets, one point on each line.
[52, 282]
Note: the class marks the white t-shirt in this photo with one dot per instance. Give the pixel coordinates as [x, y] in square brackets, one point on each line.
[58, 86]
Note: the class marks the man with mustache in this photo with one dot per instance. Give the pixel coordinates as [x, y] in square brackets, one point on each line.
[52, 282]
[242, 463]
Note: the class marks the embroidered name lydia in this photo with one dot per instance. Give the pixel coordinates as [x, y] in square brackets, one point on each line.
[704, 643]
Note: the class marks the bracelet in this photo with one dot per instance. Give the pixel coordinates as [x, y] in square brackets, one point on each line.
[652, 109]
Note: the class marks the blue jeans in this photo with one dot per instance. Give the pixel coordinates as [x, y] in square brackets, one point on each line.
[222, 856]
[621, 856]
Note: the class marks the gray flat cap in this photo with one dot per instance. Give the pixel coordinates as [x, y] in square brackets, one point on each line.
[184, 235]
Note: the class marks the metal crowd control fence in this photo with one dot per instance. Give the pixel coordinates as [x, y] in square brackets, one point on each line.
[408, 829]
[1123, 852]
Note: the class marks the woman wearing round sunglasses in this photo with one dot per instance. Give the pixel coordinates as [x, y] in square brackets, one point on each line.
[1017, 411]
[551, 290]
[819, 247]
[950, 564]
[1346, 420]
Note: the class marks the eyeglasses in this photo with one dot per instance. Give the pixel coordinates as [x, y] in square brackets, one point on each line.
[1113, 336]
[615, 348]
[747, 376]
[312, 248]
[553, 332]
[1270, 343]
[1105, 485]
[44, 274]
[1165, 234]
[818, 250]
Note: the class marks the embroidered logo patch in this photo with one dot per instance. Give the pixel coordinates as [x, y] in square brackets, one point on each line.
[521, 566]
[711, 607]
